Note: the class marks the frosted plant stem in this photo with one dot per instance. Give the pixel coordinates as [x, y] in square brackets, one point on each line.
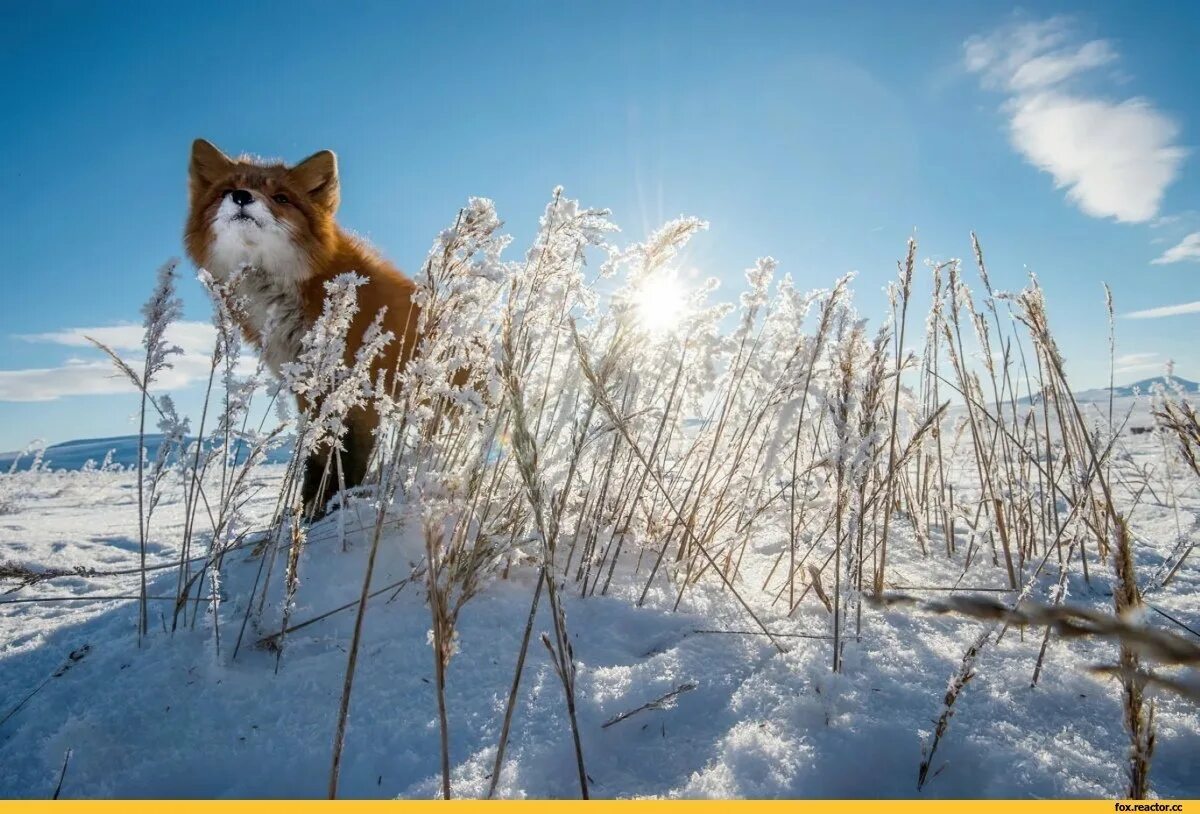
[511, 705]
[143, 606]
[339, 737]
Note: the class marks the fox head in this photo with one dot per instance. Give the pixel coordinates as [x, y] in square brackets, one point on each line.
[276, 219]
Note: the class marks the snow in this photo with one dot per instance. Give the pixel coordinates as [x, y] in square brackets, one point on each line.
[177, 718]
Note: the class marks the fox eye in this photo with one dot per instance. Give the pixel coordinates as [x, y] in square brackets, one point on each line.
[280, 198]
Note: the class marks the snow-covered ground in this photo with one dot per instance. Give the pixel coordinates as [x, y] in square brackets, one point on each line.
[177, 718]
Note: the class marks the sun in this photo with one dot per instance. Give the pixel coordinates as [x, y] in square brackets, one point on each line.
[659, 303]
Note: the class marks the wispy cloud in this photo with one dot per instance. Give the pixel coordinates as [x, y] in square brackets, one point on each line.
[191, 337]
[1135, 359]
[1166, 311]
[1130, 363]
[1114, 158]
[95, 376]
[1187, 249]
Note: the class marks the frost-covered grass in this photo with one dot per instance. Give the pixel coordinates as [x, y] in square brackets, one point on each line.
[776, 551]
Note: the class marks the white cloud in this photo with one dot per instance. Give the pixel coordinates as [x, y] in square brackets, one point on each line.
[1187, 249]
[1033, 55]
[1128, 363]
[1115, 159]
[1133, 359]
[192, 337]
[96, 376]
[1167, 311]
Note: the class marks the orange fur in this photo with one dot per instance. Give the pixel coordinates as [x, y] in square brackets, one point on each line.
[299, 204]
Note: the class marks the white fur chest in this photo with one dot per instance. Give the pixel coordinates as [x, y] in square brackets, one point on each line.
[270, 284]
[275, 311]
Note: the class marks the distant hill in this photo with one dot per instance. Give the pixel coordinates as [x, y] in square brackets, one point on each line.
[1099, 395]
[74, 455]
[1143, 387]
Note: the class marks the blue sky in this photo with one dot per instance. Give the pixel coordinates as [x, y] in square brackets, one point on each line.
[1065, 136]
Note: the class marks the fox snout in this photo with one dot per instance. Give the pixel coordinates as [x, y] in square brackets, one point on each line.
[240, 206]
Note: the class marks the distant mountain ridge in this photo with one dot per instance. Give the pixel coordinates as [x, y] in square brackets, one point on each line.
[1141, 387]
[74, 455]
[1099, 395]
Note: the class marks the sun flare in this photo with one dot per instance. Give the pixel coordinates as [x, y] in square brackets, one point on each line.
[659, 303]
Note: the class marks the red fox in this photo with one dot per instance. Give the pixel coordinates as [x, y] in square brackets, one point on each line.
[279, 222]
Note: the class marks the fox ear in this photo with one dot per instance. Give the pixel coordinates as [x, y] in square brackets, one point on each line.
[207, 163]
[317, 175]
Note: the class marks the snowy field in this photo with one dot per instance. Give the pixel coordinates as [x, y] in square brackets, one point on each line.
[179, 717]
[751, 533]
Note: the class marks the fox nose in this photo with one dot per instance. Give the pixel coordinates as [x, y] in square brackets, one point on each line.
[241, 197]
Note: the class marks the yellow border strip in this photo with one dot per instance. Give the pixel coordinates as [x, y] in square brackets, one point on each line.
[613, 806]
